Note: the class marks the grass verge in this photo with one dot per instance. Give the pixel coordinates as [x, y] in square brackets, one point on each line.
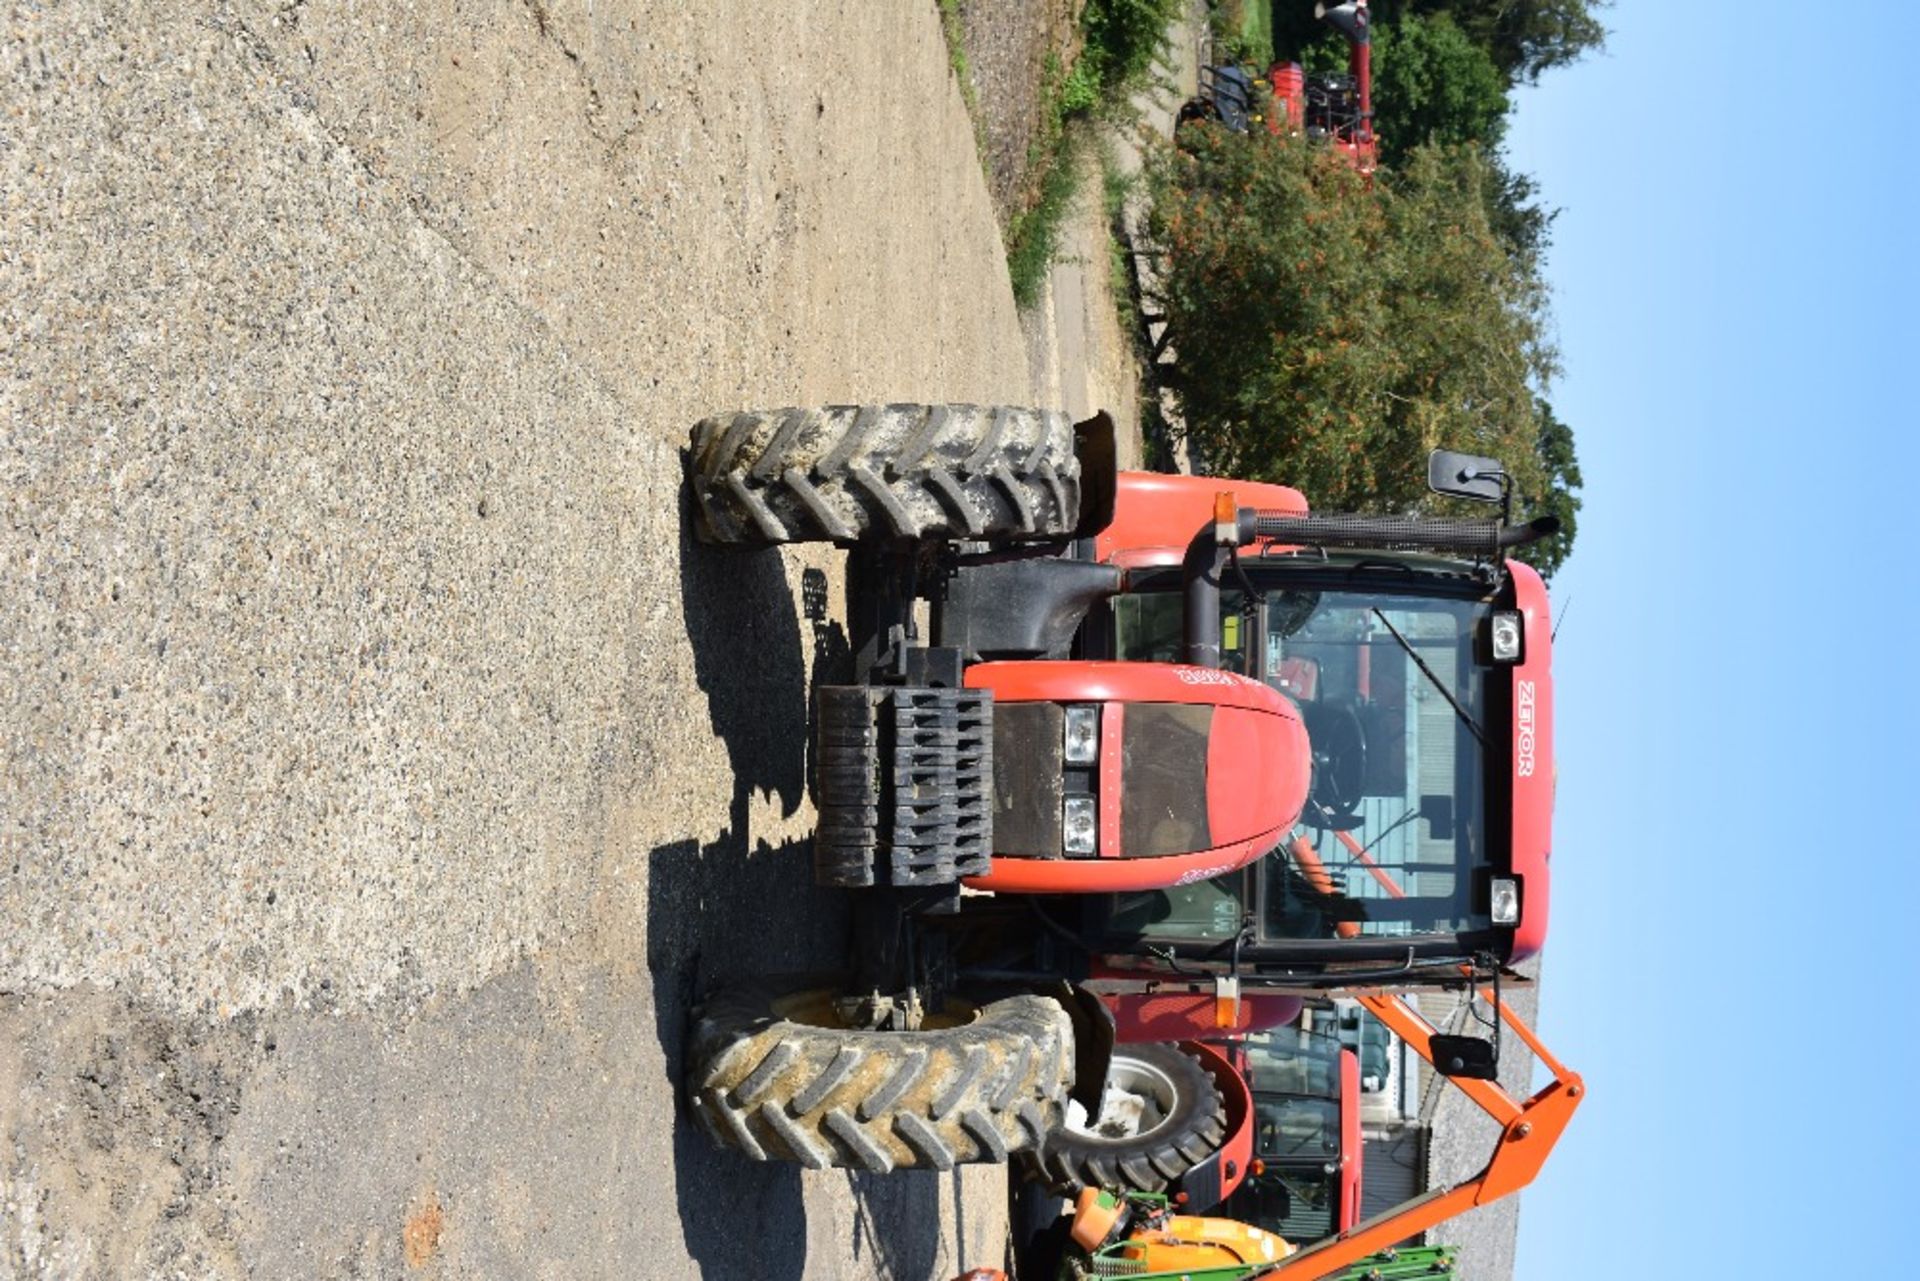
[1034, 237]
[1033, 234]
[955, 32]
[1122, 39]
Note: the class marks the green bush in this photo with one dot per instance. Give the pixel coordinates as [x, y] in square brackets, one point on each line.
[1123, 37]
[1329, 332]
[1080, 91]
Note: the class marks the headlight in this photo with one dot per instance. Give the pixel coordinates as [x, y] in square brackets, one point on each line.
[1506, 901]
[1079, 825]
[1083, 735]
[1507, 636]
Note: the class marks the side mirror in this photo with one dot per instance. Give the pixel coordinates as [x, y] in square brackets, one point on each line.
[1437, 809]
[1463, 1056]
[1483, 480]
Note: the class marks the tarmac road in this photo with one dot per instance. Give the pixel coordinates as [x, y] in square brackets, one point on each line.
[383, 770]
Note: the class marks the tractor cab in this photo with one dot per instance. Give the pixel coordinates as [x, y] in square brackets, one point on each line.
[1425, 824]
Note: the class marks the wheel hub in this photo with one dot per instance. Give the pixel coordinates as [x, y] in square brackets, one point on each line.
[1138, 1100]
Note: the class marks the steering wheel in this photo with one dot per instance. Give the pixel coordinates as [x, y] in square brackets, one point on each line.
[1339, 743]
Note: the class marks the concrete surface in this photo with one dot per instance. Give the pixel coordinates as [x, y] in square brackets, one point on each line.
[383, 773]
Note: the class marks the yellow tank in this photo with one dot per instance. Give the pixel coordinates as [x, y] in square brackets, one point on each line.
[1173, 1242]
[1187, 1241]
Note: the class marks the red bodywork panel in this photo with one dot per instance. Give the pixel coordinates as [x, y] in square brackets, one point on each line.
[1533, 771]
[1140, 1017]
[1257, 776]
[1257, 733]
[1350, 1153]
[1289, 114]
[1155, 516]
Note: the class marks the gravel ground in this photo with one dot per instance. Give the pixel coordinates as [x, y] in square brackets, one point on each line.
[383, 772]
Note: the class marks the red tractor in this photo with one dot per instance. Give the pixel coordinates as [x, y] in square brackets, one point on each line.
[1184, 730]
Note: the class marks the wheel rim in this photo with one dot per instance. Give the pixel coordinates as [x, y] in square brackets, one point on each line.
[1139, 1100]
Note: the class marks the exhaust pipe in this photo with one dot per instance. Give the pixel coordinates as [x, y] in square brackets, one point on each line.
[1349, 19]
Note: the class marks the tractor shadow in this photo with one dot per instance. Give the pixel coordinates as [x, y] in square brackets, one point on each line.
[741, 905]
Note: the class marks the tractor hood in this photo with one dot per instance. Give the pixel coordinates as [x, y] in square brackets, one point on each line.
[1198, 772]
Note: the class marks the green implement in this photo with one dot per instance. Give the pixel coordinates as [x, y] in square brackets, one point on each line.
[1389, 1265]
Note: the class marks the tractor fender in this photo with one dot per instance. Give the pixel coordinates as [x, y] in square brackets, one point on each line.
[1155, 516]
[1093, 1039]
[1214, 1179]
[1174, 1015]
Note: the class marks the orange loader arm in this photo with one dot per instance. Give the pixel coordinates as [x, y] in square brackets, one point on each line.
[1529, 1131]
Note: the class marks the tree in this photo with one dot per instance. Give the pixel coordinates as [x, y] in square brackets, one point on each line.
[1329, 332]
[1561, 475]
[1515, 212]
[1527, 37]
[1522, 38]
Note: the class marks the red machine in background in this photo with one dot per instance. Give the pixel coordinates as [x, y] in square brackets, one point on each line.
[1328, 107]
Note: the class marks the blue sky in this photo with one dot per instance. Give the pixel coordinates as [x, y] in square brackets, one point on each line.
[1736, 929]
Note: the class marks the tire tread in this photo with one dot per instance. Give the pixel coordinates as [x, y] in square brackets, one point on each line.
[847, 474]
[776, 1089]
[1068, 1161]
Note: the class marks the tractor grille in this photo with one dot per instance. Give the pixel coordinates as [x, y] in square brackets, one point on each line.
[1163, 781]
[1028, 779]
[903, 777]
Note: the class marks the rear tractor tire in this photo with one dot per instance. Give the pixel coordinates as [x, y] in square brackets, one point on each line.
[884, 473]
[1162, 1115]
[774, 1077]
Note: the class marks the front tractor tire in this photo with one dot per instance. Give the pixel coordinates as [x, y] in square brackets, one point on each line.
[884, 473]
[1161, 1115]
[773, 1076]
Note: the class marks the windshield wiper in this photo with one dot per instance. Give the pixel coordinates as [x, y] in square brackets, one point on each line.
[1365, 851]
[1465, 719]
